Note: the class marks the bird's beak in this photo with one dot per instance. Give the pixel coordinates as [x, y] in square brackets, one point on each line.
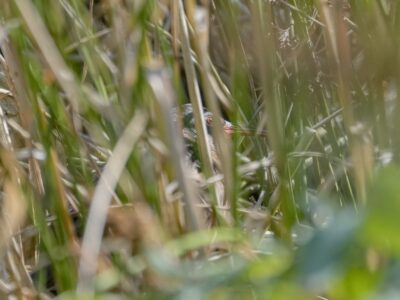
[230, 129]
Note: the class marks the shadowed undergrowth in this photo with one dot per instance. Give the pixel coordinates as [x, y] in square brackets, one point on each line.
[280, 182]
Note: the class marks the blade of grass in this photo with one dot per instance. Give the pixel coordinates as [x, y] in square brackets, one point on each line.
[102, 199]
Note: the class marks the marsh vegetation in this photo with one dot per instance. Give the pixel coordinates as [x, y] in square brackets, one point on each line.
[279, 181]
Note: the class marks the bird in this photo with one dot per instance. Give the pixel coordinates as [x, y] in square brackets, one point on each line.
[195, 169]
[190, 136]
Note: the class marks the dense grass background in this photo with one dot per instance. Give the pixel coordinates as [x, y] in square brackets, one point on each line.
[98, 199]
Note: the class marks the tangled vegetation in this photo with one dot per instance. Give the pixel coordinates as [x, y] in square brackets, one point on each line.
[279, 180]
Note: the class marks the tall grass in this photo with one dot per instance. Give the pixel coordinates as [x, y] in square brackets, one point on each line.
[100, 200]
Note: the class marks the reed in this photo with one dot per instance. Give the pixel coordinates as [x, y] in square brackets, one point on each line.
[298, 199]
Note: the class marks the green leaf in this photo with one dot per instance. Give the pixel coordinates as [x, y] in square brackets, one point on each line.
[382, 221]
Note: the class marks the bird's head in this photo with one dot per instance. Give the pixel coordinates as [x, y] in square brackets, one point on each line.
[189, 122]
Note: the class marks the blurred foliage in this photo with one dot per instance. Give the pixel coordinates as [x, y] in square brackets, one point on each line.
[100, 198]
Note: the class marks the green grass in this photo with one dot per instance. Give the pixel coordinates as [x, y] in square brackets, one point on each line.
[98, 199]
